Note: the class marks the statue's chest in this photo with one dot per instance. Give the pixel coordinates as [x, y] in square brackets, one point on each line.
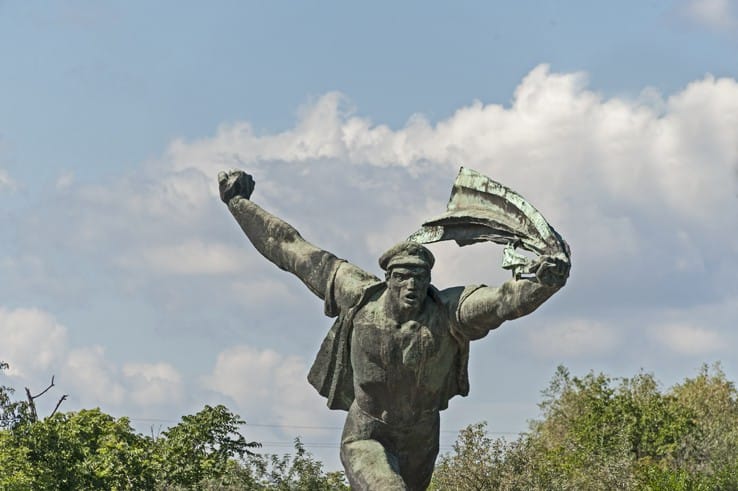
[419, 347]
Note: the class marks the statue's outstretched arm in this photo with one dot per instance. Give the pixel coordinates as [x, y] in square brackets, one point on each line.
[274, 238]
[488, 307]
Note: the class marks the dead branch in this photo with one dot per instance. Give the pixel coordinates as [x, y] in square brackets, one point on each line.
[61, 399]
[32, 398]
[45, 390]
[31, 405]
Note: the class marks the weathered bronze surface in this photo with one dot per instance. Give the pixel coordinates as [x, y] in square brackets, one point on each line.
[398, 350]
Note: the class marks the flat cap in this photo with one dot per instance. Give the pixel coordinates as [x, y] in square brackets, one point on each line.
[407, 254]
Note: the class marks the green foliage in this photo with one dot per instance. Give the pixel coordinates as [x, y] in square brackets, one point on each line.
[600, 433]
[299, 471]
[85, 450]
[15, 468]
[11, 412]
[89, 449]
[481, 458]
[201, 446]
[269, 472]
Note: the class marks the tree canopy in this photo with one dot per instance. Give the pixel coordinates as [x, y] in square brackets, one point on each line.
[603, 433]
[89, 449]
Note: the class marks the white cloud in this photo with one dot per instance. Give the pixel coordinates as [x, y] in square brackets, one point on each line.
[267, 386]
[190, 258]
[6, 182]
[64, 180]
[581, 149]
[262, 292]
[154, 384]
[714, 14]
[92, 378]
[644, 191]
[688, 339]
[36, 347]
[32, 342]
[634, 185]
[577, 337]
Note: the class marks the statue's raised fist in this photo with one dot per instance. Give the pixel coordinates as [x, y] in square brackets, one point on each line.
[234, 183]
[553, 271]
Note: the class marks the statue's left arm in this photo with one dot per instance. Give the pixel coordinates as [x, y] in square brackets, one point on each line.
[485, 308]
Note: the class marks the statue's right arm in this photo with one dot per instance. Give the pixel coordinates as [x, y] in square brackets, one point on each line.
[278, 241]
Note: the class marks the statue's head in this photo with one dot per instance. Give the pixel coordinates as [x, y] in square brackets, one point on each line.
[407, 268]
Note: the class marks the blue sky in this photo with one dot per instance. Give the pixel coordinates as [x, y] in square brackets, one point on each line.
[123, 274]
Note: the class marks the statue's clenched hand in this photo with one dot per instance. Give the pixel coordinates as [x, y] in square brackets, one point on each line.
[235, 183]
[552, 271]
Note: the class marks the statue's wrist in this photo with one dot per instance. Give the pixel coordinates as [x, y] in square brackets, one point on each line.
[237, 201]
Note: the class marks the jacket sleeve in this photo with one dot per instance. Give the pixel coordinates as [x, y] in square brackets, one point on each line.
[281, 244]
[481, 308]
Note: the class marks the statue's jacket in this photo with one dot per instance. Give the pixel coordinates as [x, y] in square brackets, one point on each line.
[332, 374]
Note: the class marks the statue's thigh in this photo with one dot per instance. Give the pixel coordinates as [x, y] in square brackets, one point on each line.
[369, 466]
[417, 466]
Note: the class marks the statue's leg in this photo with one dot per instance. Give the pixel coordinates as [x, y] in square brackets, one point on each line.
[417, 449]
[417, 472]
[369, 462]
[370, 467]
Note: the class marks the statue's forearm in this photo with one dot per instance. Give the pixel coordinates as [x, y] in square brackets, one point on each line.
[486, 308]
[266, 232]
[282, 244]
[521, 297]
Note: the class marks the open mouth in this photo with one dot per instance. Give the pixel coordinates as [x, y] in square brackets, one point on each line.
[411, 297]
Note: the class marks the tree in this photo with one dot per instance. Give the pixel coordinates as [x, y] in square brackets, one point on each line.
[11, 412]
[598, 432]
[296, 472]
[476, 464]
[202, 446]
[89, 449]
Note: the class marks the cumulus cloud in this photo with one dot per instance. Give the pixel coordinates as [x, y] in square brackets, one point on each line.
[267, 385]
[713, 14]
[643, 189]
[190, 258]
[558, 142]
[620, 178]
[6, 182]
[32, 341]
[577, 337]
[93, 377]
[37, 346]
[154, 384]
[64, 180]
[688, 339]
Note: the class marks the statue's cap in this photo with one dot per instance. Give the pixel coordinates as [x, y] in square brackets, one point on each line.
[407, 254]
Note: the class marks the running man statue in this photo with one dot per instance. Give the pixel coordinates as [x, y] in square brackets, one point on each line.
[399, 348]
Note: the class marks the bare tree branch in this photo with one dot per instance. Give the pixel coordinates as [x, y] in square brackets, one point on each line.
[31, 405]
[32, 398]
[61, 399]
[45, 390]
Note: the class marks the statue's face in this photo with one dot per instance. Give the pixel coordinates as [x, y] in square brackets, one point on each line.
[408, 286]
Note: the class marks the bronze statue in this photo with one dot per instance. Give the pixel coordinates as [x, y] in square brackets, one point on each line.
[399, 348]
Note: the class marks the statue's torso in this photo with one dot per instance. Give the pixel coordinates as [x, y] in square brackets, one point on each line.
[401, 372]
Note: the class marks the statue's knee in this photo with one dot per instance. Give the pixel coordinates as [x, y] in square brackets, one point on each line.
[369, 466]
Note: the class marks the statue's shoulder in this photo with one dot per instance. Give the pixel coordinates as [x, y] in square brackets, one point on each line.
[457, 294]
[447, 296]
[347, 288]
